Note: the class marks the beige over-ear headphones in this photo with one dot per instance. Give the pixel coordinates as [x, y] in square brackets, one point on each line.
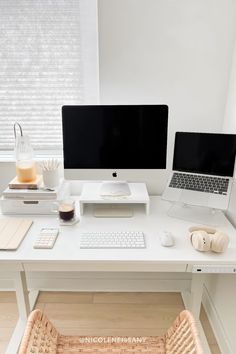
[205, 239]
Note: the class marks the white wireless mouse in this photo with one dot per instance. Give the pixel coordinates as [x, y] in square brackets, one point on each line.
[167, 239]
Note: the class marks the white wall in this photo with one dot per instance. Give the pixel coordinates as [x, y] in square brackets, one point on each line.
[229, 123]
[229, 126]
[222, 289]
[165, 51]
[178, 53]
[7, 172]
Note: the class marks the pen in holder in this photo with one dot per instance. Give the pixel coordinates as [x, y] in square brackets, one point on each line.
[50, 173]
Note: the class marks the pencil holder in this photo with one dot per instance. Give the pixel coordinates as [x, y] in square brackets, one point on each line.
[51, 178]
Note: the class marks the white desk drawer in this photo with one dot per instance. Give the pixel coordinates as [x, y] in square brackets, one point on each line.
[109, 266]
[10, 266]
[213, 268]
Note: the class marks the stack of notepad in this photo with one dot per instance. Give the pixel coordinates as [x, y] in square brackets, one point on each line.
[30, 194]
[31, 201]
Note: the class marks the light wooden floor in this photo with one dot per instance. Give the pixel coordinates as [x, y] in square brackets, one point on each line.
[119, 314]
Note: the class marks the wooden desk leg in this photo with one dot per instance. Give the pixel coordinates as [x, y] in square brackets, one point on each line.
[22, 296]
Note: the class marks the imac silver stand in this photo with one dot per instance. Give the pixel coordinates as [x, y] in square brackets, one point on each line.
[197, 214]
[114, 189]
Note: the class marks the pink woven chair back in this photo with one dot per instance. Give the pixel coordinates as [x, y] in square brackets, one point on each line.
[182, 337]
[42, 337]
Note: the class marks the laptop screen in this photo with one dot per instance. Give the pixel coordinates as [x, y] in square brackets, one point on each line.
[205, 153]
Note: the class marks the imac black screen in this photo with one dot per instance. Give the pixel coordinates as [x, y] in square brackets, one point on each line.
[115, 137]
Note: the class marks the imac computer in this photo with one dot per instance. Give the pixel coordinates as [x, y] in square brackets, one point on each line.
[114, 144]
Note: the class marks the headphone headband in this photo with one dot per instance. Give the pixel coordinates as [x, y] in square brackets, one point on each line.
[209, 230]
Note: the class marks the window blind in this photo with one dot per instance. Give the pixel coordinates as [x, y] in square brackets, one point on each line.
[40, 68]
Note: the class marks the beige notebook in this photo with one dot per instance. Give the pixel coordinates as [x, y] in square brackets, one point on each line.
[12, 232]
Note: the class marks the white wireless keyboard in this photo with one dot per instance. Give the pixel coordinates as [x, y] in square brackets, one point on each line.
[122, 239]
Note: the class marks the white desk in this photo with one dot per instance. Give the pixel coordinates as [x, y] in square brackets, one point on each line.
[67, 256]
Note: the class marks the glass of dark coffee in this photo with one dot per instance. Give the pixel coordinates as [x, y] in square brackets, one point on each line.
[66, 210]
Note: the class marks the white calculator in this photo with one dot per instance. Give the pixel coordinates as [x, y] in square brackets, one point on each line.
[46, 238]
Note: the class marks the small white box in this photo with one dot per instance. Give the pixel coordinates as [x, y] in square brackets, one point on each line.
[28, 202]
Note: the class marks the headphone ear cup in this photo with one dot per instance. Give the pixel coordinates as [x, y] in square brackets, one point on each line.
[201, 240]
[219, 242]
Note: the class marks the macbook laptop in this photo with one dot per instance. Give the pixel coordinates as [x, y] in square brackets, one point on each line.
[203, 167]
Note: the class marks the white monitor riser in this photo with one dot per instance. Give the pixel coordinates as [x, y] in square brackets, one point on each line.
[91, 195]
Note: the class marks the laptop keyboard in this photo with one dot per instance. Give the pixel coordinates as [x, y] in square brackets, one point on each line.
[199, 183]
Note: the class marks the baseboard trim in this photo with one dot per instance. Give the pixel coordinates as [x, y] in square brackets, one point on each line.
[216, 323]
